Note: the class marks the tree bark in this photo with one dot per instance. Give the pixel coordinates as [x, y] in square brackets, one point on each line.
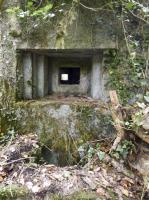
[117, 118]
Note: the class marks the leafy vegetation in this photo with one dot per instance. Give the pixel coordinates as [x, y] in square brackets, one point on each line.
[123, 149]
[12, 192]
[88, 151]
[40, 9]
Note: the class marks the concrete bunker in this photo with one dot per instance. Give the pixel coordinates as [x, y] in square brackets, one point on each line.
[57, 80]
[60, 72]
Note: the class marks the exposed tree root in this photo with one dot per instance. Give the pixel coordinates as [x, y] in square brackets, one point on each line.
[117, 118]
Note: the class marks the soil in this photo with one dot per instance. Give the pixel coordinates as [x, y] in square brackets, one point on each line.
[107, 179]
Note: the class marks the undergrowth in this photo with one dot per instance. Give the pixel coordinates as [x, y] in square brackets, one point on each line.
[12, 192]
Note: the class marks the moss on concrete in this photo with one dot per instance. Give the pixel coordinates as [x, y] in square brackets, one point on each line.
[63, 127]
[7, 107]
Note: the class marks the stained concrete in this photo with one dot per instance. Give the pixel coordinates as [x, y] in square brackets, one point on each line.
[40, 76]
[62, 118]
[88, 30]
[42, 71]
[77, 89]
[96, 77]
[27, 73]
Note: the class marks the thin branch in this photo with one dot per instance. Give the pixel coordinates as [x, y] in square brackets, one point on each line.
[95, 9]
[39, 5]
[125, 36]
[136, 16]
[14, 161]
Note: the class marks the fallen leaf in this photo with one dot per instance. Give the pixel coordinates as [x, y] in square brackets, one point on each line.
[129, 180]
[3, 174]
[124, 191]
[1, 179]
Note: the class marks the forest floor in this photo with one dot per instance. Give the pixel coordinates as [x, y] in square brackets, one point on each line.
[22, 178]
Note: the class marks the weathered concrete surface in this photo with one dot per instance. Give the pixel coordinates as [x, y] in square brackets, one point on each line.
[85, 69]
[74, 118]
[96, 80]
[27, 75]
[63, 125]
[89, 30]
[41, 70]
[40, 76]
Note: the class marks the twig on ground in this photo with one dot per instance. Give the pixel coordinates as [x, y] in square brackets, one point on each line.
[14, 161]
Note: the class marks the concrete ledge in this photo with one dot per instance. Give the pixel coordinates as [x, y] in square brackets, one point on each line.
[73, 117]
[64, 124]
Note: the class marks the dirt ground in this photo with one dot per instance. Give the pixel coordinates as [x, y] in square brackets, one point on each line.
[109, 179]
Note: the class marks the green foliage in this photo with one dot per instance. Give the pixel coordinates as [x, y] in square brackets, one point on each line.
[87, 152]
[13, 10]
[126, 76]
[117, 75]
[123, 149]
[7, 136]
[112, 194]
[101, 155]
[130, 5]
[77, 196]
[39, 9]
[146, 97]
[128, 67]
[12, 192]
[30, 11]
[137, 122]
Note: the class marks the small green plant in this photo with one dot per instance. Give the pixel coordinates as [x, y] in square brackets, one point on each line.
[112, 194]
[57, 197]
[32, 9]
[87, 152]
[146, 97]
[137, 121]
[128, 125]
[123, 150]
